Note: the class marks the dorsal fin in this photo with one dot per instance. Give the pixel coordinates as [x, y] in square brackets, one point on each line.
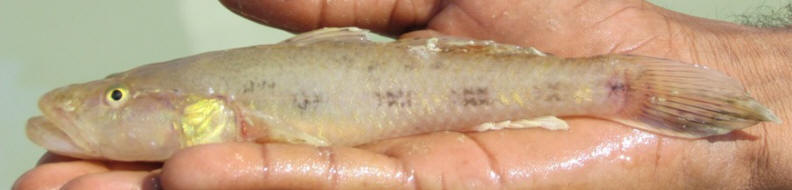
[345, 34]
[452, 44]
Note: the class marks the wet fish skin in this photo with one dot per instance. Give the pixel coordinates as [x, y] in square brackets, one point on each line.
[333, 87]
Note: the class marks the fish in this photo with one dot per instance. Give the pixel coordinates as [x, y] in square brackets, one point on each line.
[335, 87]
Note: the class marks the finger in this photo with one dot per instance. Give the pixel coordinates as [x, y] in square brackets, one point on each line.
[133, 166]
[388, 16]
[53, 170]
[281, 166]
[111, 165]
[50, 157]
[116, 180]
[54, 175]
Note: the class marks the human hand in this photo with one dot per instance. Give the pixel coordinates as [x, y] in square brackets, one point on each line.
[592, 154]
[60, 172]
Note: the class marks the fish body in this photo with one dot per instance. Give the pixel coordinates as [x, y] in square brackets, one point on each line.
[334, 87]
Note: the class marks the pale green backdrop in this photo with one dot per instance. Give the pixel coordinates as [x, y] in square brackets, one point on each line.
[46, 44]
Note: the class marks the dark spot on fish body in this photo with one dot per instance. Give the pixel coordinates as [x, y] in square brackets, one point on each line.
[249, 87]
[410, 66]
[472, 96]
[395, 98]
[307, 101]
[619, 91]
[553, 97]
[554, 86]
[343, 61]
[375, 64]
[346, 59]
[552, 92]
[253, 86]
[437, 64]
[617, 85]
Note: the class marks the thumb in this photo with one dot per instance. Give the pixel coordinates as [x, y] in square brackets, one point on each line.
[390, 17]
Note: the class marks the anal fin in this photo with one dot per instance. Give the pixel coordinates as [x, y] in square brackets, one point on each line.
[547, 122]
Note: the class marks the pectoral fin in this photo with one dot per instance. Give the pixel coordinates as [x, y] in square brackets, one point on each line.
[205, 120]
[264, 128]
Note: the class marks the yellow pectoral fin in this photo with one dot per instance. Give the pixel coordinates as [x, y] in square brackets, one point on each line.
[206, 120]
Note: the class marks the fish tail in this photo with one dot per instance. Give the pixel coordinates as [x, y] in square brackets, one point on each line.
[687, 100]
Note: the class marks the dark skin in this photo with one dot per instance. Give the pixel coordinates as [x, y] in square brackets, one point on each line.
[592, 154]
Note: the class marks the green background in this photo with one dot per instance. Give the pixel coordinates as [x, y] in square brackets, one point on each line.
[47, 44]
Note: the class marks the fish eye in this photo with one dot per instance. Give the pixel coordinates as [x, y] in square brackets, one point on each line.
[116, 96]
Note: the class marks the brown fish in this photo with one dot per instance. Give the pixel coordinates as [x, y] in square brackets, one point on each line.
[335, 87]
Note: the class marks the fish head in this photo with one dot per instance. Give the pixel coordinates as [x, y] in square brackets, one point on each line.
[108, 119]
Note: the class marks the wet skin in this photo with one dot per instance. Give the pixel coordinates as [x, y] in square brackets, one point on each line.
[592, 154]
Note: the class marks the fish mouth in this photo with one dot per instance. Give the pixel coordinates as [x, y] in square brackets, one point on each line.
[45, 133]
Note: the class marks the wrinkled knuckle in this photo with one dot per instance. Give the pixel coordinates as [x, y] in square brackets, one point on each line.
[196, 156]
[188, 164]
[204, 165]
[757, 159]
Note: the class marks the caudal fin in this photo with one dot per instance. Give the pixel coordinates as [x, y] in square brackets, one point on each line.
[686, 100]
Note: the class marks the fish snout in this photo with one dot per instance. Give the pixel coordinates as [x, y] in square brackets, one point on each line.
[46, 134]
[60, 102]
